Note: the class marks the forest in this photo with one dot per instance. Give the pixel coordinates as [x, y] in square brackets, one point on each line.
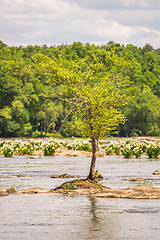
[30, 108]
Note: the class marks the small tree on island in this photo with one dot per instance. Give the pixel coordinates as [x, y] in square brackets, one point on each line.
[89, 87]
[97, 107]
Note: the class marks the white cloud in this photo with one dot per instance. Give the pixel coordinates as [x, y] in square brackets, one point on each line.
[117, 4]
[60, 21]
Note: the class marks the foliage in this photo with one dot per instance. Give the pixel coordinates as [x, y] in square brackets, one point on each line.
[50, 147]
[153, 150]
[144, 183]
[143, 115]
[127, 151]
[24, 85]
[78, 144]
[7, 150]
[68, 186]
[24, 147]
[130, 148]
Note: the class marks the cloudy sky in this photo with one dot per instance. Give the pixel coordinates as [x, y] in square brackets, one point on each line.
[53, 22]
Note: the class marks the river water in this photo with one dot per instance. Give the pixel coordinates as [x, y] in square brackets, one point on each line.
[61, 217]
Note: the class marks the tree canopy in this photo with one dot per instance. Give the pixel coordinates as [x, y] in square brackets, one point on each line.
[32, 85]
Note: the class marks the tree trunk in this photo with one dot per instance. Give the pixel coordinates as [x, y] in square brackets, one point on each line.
[91, 175]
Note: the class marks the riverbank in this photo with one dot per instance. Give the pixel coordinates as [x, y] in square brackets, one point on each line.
[34, 175]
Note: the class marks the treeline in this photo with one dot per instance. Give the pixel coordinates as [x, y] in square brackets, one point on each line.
[28, 106]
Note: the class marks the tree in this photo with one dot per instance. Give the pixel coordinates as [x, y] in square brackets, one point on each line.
[97, 107]
[97, 104]
[143, 114]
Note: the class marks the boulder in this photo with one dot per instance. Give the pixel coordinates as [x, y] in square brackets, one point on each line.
[6, 192]
[156, 172]
[3, 192]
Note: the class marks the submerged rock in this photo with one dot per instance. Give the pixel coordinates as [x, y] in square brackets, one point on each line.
[133, 179]
[35, 191]
[142, 192]
[65, 175]
[24, 175]
[140, 179]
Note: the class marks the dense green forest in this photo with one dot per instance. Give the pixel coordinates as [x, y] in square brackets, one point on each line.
[28, 106]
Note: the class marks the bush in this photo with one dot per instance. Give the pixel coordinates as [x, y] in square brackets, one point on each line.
[153, 150]
[49, 148]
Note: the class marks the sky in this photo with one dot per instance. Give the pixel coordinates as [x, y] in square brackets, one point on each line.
[56, 22]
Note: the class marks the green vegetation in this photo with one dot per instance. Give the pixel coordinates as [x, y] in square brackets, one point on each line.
[30, 92]
[68, 186]
[144, 183]
[132, 148]
[40, 87]
[128, 148]
[80, 184]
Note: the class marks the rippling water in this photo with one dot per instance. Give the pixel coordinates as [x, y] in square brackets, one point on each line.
[50, 216]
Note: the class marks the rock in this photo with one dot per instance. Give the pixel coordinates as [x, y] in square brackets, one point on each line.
[140, 179]
[24, 175]
[156, 172]
[100, 177]
[72, 153]
[156, 186]
[87, 187]
[35, 191]
[133, 179]
[6, 192]
[100, 154]
[77, 153]
[107, 195]
[143, 188]
[3, 192]
[38, 153]
[65, 175]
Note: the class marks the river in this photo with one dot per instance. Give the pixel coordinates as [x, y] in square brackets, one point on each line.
[50, 216]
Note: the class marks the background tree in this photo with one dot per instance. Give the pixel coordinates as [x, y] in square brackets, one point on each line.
[136, 67]
[143, 114]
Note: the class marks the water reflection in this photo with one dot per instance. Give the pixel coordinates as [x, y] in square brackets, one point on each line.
[95, 219]
[99, 222]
